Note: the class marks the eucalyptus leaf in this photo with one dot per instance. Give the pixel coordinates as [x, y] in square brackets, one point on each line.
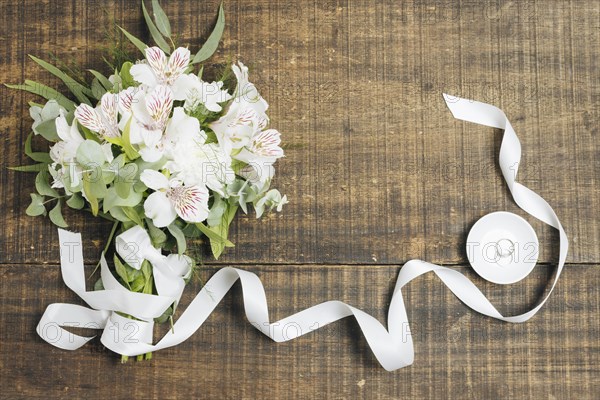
[76, 201]
[56, 215]
[37, 206]
[43, 186]
[97, 89]
[90, 154]
[36, 156]
[30, 168]
[162, 21]
[112, 199]
[179, 237]
[46, 92]
[80, 91]
[118, 214]
[102, 80]
[136, 42]
[157, 236]
[156, 35]
[48, 130]
[133, 215]
[212, 43]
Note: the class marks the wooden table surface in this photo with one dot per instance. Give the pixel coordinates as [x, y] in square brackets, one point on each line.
[377, 172]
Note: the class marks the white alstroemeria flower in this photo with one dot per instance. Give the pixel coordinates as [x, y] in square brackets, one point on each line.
[180, 127]
[172, 199]
[158, 70]
[150, 113]
[200, 164]
[209, 94]
[260, 155]
[64, 152]
[246, 114]
[125, 103]
[103, 119]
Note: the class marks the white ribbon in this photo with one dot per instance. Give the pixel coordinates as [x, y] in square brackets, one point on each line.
[393, 347]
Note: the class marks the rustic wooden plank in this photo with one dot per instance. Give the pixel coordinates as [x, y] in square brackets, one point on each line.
[458, 353]
[377, 170]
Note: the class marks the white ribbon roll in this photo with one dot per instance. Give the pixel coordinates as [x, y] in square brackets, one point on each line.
[393, 347]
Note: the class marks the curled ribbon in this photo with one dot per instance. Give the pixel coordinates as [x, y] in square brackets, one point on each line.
[393, 347]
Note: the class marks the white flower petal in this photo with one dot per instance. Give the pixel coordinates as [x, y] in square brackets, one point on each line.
[190, 202]
[107, 150]
[126, 99]
[151, 154]
[178, 62]
[154, 179]
[143, 73]
[157, 60]
[158, 208]
[266, 144]
[159, 104]
[89, 117]
[108, 103]
[181, 86]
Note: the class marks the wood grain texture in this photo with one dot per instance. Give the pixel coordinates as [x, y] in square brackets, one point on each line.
[377, 172]
[459, 354]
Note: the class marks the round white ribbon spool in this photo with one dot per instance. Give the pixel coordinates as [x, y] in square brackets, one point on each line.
[502, 247]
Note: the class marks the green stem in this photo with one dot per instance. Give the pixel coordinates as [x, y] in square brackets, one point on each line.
[110, 238]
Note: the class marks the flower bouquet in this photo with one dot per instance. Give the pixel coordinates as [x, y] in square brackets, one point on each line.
[164, 154]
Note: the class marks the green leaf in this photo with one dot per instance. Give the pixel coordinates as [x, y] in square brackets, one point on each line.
[162, 21]
[46, 92]
[158, 39]
[179, 236]
[112, 199]
[121, 271]
[165, 316]
[48, 130]
[126, 77]
[76, 88]
[37, 206]
[133, 215]
[43, 186]
[36, 156]
[212, 235]
[30, 168]
[157, 236]
[90, 154]
[136, 42]
[56, 215]
[87, 188]
[102, 80]
[138, 284]
[76, 201]
[212, 42]
[130, 152]
[97, 89]
[146, 269]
